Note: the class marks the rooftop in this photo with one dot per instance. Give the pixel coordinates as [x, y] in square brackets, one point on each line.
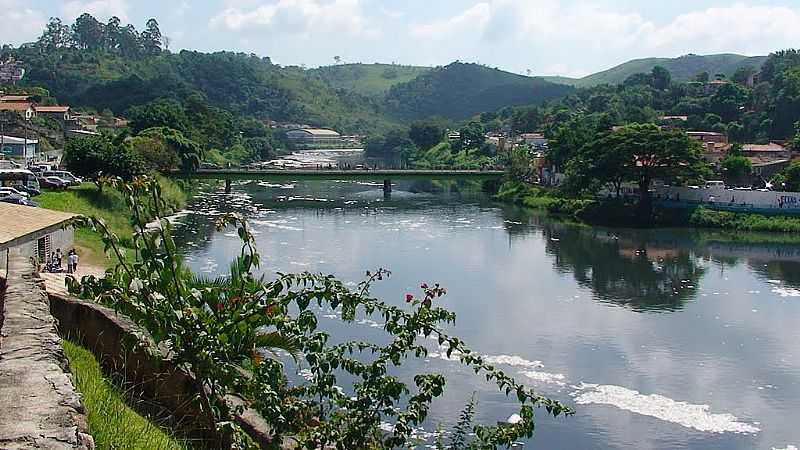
[14, 106]
[17, 140]
[20, 224]
[14, 98]
[317, 132]
[51, 109]
[771, 147]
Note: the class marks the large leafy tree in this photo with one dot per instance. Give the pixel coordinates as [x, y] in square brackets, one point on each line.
[95, 156]
[425, 134]
[638, 153]
[89, 34]
[189, 152]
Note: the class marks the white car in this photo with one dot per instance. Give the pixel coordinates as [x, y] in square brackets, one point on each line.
[7, 190]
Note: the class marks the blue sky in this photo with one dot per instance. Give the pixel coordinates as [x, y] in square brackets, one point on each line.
[546, 37]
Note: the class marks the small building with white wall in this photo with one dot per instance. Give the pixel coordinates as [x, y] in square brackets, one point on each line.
[33, 232]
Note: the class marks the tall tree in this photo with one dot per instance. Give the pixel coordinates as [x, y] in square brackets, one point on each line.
[425, 134]
[638, 153]
[56, 35]
[113, 33]
[151, 38]
[660, 78]
[89, 34]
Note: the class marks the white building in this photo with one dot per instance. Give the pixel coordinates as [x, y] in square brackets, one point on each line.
[314, 137]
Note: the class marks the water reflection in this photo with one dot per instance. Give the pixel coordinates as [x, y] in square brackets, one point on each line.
[625, 269]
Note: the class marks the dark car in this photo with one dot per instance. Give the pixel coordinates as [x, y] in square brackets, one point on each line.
[53, 183]
[18, 200]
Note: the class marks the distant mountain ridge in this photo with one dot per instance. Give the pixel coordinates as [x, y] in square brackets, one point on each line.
[682, 68]
[460, 90]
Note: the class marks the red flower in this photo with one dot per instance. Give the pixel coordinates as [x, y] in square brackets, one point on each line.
[220, 306]
[409, 297]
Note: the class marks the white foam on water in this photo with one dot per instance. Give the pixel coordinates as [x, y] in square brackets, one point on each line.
[786, 292]
[685, 414]
[545, 377]
[512, 360]
[788, 447]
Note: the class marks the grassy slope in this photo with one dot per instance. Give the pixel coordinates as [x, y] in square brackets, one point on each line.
[109, 205]
[112, 423]
[682, 68]
[367, 79]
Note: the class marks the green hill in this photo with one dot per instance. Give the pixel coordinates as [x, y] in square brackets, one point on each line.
[682, 68]
[367, 79]
[240, 83]
[458, 91]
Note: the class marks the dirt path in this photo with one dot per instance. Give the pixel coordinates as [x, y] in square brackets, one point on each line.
[54, 282]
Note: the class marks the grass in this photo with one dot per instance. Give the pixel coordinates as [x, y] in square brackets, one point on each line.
[108, 205]
[112, 423]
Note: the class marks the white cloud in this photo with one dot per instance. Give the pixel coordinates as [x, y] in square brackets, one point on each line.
[580, 37]
[31, 22]
[102, 10]
[304, 17]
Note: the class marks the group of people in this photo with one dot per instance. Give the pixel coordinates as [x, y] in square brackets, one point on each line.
[55, 260]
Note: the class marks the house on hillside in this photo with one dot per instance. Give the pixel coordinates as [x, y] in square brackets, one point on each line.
[16, 99]
[314, 137]
[24, 109]
[772, 150]
[715, 145]
[535, 140]
[59, 113]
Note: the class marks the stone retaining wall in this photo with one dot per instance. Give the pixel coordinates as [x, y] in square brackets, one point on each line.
[39, 407]
[124, 350]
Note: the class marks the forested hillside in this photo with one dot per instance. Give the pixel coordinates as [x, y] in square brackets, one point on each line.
[108, 66]
[684, 68]
[367, 79]
[458, 91]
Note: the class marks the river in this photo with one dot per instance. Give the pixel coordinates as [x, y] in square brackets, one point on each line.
[660, 339]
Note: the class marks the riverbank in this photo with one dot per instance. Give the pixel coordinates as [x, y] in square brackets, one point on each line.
[616, 213]
[109, 205]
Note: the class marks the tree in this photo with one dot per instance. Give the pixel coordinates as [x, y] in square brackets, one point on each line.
[151, 38]
[188, 151]
[472, 136]
[702, 77]
[737, 169]
[89, 34]
[159, 113]
[567, 139]
[660, 78]
[743, 74]
[155, 153]
[638, 153]
[792, 177]
[425, 134]
[729, 102]
[113, 33]
[95, 156]
[56, 35]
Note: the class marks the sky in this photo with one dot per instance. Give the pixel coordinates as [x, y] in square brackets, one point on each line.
[543, 37]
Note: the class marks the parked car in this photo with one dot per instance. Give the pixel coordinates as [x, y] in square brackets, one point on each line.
[64, 175]
[8, 190]
[53, 183]
[17, 200]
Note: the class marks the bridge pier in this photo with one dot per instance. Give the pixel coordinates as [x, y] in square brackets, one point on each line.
[228, 186]
[387, 188]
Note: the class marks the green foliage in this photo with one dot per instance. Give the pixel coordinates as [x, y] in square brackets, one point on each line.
[395, 145]
[112, 423]
[638, 153]
[458, 91]
[444, 155]
[371, 80]
[737, 169]
[187, 151]
[159, 113]
[707, 218]
[426, 134]
[791, 177]
[217, 329]
[94, 156]
[684, 68]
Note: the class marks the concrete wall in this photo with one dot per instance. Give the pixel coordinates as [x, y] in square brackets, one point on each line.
[123, 349]
[39, 407]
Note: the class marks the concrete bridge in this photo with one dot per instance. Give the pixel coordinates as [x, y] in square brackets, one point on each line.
[384, 175]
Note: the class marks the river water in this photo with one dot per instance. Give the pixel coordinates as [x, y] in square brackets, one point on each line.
[660, 339]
